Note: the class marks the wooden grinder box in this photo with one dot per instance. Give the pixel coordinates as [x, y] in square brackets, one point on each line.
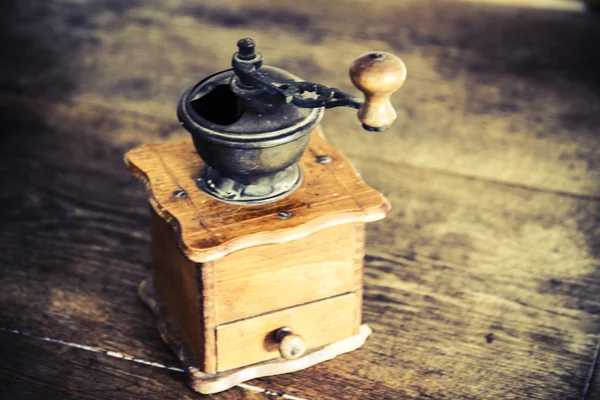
[243, 291]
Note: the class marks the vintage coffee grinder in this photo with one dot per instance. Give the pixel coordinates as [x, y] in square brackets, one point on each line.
[258, 223]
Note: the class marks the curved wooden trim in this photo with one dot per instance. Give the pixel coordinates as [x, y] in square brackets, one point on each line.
[293, 232]
[213, 383]
[208, 384]
[273, 237]
[164, 214]
[283, 236]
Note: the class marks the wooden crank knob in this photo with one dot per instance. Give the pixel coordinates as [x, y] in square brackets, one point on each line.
[291, 345]
[377, 75]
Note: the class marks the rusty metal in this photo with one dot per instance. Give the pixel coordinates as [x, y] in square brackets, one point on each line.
[324, 159]
[284, 215]
[180, 193]
[246, 63]
[251, 124]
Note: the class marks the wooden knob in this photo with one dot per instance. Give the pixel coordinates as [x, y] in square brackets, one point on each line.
[291, 345]
[377, 75]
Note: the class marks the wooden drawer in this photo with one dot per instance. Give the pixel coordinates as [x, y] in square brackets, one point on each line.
[320, 323]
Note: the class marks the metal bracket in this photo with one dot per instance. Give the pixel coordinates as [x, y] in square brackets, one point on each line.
[246, 64]
[301, 94]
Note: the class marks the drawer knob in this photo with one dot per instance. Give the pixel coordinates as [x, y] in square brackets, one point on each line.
[291, 345]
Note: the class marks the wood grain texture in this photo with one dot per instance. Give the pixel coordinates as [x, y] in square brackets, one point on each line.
[219, 382]
[457, 260]
[593, 388]
[208, 229]
[197, 298]
[65, 194]
[314, 255]
[469, 291]
[493, 236]
[34, 369]
[320, 323]
[206, 281]
[270, 277]
[488, 105]
[178, 284]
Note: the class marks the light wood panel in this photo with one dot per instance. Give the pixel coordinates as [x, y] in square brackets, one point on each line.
[270, 277]
[178, 284]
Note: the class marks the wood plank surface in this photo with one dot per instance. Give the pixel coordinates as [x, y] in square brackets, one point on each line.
[37, 369]
[473, 290]
[485, 94]
[482, 283]
[460, 262]
[75, 229]
[593, 388]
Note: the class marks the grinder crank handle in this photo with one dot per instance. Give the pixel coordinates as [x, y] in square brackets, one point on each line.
[377, 75]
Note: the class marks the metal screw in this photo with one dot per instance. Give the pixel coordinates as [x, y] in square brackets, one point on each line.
[324, 159]
[246, 49]
[284, 215]
[180, 193]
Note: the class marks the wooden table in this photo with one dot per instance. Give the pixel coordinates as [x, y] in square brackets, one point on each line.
[484, 281]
